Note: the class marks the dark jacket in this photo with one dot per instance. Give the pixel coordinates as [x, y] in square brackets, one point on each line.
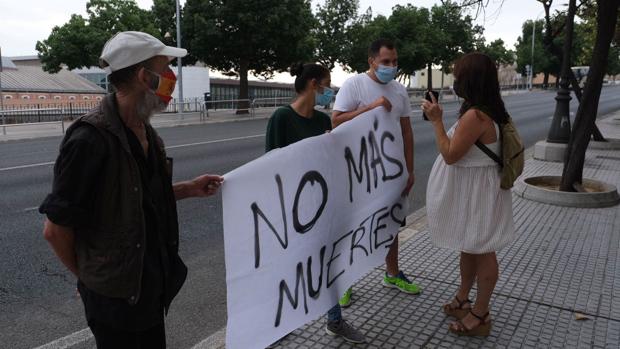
[110, 251]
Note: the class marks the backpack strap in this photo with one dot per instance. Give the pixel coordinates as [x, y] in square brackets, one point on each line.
[490, 153]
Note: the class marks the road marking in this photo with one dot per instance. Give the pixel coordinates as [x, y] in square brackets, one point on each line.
[215, 141]
[31, 209]
[26, 166]
[214, 341]
[69, 341]
[170, 147]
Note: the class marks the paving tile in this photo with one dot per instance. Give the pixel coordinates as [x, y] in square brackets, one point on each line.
[564, 260]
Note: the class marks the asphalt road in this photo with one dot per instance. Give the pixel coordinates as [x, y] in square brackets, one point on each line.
[38, 301]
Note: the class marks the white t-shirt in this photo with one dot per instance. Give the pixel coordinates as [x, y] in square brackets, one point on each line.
[361, 90]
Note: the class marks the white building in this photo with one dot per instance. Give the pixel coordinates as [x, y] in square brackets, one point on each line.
[419, 80]
[196, 80]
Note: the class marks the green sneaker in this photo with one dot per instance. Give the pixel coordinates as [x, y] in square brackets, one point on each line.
[345, 301]
[401, 282]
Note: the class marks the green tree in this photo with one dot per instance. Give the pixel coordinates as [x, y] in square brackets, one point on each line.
[334, 19]
[408, 27]
[239, 37]
[359, 36]
[587, 31]
[585, 119]
[411, 30]
[542, 61]
[452, 33]
[78, 43]
[164, 14]
[498, 52]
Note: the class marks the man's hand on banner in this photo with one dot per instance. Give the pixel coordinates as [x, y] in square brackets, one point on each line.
[202, 186]
[207, 185]
[382, 102]
[410, 182]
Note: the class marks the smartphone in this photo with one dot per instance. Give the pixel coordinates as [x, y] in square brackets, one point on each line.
[427, 96]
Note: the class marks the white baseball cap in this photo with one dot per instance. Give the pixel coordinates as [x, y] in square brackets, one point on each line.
[128, 48]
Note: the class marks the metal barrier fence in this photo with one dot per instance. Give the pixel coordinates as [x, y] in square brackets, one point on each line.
[43, 112]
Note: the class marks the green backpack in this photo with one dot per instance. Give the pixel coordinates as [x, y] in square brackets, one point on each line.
[512, 159]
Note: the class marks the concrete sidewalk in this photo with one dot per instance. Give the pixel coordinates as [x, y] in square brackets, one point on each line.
[565, 261]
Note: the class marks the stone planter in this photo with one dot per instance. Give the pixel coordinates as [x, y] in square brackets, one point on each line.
[611, 144]
[544, 189]
[546, 151]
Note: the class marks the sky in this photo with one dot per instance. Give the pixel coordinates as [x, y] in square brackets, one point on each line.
[25, 22]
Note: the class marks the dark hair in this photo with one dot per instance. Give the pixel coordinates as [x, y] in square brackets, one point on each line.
[123, 77]
[476, 76]
[306, 72]
[375, 46]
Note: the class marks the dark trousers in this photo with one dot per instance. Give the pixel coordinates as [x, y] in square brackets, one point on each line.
[111, 338]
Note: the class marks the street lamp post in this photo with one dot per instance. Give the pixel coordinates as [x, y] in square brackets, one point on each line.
[532, 58]
[532, 63]
[1, 97]
[560, 125]
[179, 61]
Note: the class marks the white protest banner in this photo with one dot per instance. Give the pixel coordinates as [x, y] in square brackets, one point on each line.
[304, 222]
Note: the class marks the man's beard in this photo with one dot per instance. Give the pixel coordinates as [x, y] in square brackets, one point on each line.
[149, 105]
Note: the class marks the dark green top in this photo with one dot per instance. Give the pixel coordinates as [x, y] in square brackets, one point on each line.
[287, 127]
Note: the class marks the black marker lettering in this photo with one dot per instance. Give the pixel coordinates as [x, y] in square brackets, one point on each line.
[355, 243]
[387, 135]
[256, 211]
[379, 227]
[311, 291]
[312, 177]
[333, 258]
[363, 164]
[299, 278]
[376, 159]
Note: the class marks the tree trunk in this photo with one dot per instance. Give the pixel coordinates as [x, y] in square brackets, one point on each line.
[430, 77]
[243, 105]
[442, 86]
[572, 175]
[546, 80]
[596, 133]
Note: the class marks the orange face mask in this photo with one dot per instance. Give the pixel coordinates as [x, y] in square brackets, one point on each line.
[164, 85]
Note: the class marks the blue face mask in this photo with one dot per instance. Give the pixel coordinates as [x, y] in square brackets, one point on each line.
[386, 74]
[324, 98]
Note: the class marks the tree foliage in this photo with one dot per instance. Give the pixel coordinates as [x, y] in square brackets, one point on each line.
[334, 20]
[498, 52]
[423, 37]
[248, 36]
[543, 61]
[78, 43]
[164, 14]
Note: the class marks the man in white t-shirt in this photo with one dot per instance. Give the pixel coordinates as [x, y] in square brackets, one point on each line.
[364, 92]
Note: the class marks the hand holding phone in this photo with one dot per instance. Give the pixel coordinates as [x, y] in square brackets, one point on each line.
[427, 96]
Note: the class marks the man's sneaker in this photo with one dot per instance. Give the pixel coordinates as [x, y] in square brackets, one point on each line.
[347, 332]
[401, 282]
[345, 301]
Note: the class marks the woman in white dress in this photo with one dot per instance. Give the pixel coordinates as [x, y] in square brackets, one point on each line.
[467, 210]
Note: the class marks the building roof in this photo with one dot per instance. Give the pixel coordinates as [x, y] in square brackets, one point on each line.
[34, 79]
[7, 63]
[24, 58]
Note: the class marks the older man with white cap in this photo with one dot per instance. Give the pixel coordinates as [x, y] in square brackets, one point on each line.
[111, 215]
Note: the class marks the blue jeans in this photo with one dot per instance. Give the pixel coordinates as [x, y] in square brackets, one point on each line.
[334, 314]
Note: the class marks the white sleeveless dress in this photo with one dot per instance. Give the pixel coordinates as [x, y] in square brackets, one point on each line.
[466, 208]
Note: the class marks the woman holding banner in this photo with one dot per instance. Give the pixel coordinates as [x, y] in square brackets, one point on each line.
[467, 210]
[299, 120]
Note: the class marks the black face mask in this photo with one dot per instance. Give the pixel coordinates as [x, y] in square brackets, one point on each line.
[458, 89]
